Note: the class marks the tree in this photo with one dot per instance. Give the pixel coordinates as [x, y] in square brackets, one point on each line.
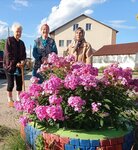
[2, 44]
[137, 17]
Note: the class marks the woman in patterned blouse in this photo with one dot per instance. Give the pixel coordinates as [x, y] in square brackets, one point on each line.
[43, 46]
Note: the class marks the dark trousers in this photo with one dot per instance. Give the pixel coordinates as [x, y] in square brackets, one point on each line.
[10, 81]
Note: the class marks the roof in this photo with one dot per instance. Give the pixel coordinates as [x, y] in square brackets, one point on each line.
[77, 18]
[118, 49]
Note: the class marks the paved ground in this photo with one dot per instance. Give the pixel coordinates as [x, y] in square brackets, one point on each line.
[9, 116]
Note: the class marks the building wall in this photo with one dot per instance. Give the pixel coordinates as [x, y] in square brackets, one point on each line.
[98, 36]
[124, 60]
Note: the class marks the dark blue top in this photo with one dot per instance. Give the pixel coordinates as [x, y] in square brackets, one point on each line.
[43, 47]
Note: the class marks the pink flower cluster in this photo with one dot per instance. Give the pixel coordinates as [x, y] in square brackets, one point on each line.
[36, 89]
[76, 102]
[26, 104]
[78, 91]
[95, 106]
[23, 120]
[49, 112]
[117, 75]
[53, 99]
[52, 85]
[34, 80]
[81, 75]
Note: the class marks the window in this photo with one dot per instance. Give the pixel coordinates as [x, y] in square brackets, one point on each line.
[61, 43]
[88, 26]
[75, 26]
[68, 42]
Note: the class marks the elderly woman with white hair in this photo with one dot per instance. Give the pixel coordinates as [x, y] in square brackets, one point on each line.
[81, 49]
[43, 46]
[14, 59]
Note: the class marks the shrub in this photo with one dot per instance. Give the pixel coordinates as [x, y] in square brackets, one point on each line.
[73, 96]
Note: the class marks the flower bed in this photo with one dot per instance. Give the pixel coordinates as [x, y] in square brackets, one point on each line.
[73, 96]
[63, 140]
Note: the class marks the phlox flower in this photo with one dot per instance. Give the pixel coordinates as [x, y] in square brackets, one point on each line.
[52, 58]
[134, 84]
[52, 85]
[43, 67]
[36, 89]
[60, 63]
[28, 105]
[53, 99]
[18, 106]
[34, 79]
[23, 120]
[25, 95]
[95, 106]
[76, 102]
[41, 112]
[88, 80]
[70, 58]
[116, 75]
[55, 112]
[71, 81]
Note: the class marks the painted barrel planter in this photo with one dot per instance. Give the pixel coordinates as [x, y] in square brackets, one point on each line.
[58, 142]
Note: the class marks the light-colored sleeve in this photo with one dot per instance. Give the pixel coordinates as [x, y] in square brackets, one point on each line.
[67, 51]
[89, 54]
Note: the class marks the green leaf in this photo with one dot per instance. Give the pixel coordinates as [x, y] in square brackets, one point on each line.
[107, 106]
[101, 122]
[107, 101]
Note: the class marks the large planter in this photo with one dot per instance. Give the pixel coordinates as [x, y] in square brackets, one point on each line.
[58, 142]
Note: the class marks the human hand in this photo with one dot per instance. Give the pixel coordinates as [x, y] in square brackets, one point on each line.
[44, 60]
[21, 64]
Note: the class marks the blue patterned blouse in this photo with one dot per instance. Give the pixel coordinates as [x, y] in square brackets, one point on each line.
[42, 48]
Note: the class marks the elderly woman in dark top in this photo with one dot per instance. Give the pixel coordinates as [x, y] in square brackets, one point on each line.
[43, 46]
[14, 59]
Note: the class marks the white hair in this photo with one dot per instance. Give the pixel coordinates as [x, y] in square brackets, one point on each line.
[15, 26]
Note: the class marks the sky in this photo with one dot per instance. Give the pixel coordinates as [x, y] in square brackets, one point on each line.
[122, 15]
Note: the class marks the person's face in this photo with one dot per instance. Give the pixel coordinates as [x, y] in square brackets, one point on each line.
[18, 33]
[44, 31]
[78, 35]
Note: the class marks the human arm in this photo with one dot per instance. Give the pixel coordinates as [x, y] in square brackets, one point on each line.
[36, 55]
[54, 47]
[22, 55]
[89, 54]
[9, 57]
[68, 50]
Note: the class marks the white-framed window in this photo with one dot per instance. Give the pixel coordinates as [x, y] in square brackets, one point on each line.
[75, 26]
[68, 42]
[61, 43]
[88, 26]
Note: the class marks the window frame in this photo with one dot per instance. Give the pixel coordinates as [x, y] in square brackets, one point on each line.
[68, 42]
[75, 26]
[88, 26]
[61, 43]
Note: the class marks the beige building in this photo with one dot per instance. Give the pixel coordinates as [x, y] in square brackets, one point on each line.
[96, 33]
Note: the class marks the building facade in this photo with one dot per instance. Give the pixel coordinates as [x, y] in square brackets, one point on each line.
[126, 54]
[96, 33]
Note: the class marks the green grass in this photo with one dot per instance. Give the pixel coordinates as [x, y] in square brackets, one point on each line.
[95, 134]
[5, 131]
[82, 134]
[11, 139]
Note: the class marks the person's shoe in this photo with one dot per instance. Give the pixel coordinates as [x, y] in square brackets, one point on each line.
[11, 103]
